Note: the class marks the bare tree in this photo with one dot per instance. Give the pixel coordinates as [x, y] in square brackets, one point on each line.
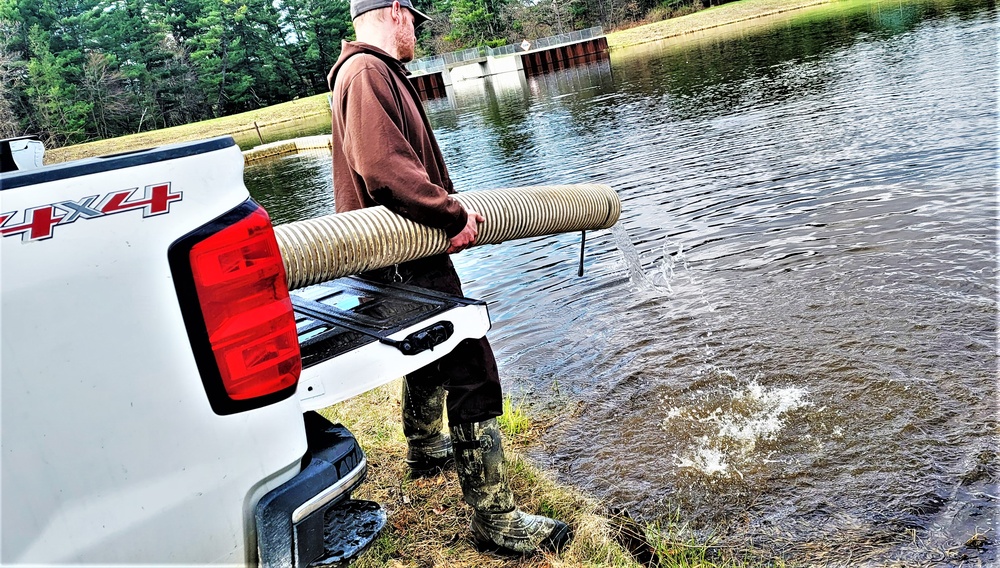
[105, 89]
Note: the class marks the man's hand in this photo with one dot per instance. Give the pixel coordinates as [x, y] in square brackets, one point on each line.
[467, 237]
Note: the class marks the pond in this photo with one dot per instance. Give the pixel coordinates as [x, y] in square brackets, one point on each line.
[790, 342]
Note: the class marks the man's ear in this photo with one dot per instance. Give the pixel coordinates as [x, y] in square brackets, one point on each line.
[397, 10]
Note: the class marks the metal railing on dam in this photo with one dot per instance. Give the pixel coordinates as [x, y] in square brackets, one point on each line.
[438, 63]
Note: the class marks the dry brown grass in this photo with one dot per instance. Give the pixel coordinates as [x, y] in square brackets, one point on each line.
[428, 521]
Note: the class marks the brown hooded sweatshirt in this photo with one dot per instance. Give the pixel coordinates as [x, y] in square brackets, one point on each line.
[388, 155]
[385, 154]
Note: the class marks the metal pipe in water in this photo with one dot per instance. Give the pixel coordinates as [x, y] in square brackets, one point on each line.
[323, 248]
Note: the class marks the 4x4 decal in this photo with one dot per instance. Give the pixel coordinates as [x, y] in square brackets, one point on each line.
[39, 223]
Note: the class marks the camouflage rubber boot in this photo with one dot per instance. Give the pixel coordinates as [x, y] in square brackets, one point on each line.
[497, 525]
[429, 450]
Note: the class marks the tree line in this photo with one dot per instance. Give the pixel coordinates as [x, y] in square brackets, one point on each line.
[78, 70]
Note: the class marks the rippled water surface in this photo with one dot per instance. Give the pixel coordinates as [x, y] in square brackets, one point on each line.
[791, 337]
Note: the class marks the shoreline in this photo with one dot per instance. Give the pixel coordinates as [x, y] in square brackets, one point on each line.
[714, 17]
[709, 18]
[428, 522]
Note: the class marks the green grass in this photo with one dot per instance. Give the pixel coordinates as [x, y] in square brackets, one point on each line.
[675, 546]
[514, 422]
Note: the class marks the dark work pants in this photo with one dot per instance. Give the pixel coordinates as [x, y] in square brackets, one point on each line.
[469, 373]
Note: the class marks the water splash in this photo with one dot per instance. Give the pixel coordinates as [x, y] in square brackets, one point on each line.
[630, 257]
[673, 264]
[669, 263]
[731, 428]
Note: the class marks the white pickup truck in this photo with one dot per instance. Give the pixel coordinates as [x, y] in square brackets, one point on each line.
[158, 380]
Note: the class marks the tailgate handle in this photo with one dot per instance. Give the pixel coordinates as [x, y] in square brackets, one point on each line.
[422, 340]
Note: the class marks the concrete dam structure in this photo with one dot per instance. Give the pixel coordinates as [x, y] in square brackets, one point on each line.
[432, 76]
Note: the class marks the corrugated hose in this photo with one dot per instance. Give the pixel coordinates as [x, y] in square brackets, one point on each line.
[331, 246]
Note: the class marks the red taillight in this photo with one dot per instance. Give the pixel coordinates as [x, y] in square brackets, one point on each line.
[239, 280]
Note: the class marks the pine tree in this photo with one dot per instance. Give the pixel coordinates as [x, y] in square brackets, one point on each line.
[59, 116]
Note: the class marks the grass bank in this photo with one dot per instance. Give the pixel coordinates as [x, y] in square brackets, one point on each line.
[428, 521]
[310, 106]
[713, 17]
[245, 122]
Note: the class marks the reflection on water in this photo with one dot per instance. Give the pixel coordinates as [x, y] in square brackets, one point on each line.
[265, 134]
[293, 187]
[796, 345]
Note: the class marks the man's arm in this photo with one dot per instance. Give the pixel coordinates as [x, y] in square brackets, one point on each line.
[378, 151]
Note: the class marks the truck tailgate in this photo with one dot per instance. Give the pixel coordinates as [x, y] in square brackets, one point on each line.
[356, 335]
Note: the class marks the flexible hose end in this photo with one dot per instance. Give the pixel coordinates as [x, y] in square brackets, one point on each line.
[331, 246]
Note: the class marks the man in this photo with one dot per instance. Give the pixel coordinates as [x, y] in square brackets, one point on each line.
[384, 153]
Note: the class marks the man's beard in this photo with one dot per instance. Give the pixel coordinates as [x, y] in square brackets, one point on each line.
[405, 45]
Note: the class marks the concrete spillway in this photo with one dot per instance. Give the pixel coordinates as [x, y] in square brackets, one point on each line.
[529, 63]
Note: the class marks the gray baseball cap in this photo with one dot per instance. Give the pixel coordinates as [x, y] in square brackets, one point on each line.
[359, 7]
